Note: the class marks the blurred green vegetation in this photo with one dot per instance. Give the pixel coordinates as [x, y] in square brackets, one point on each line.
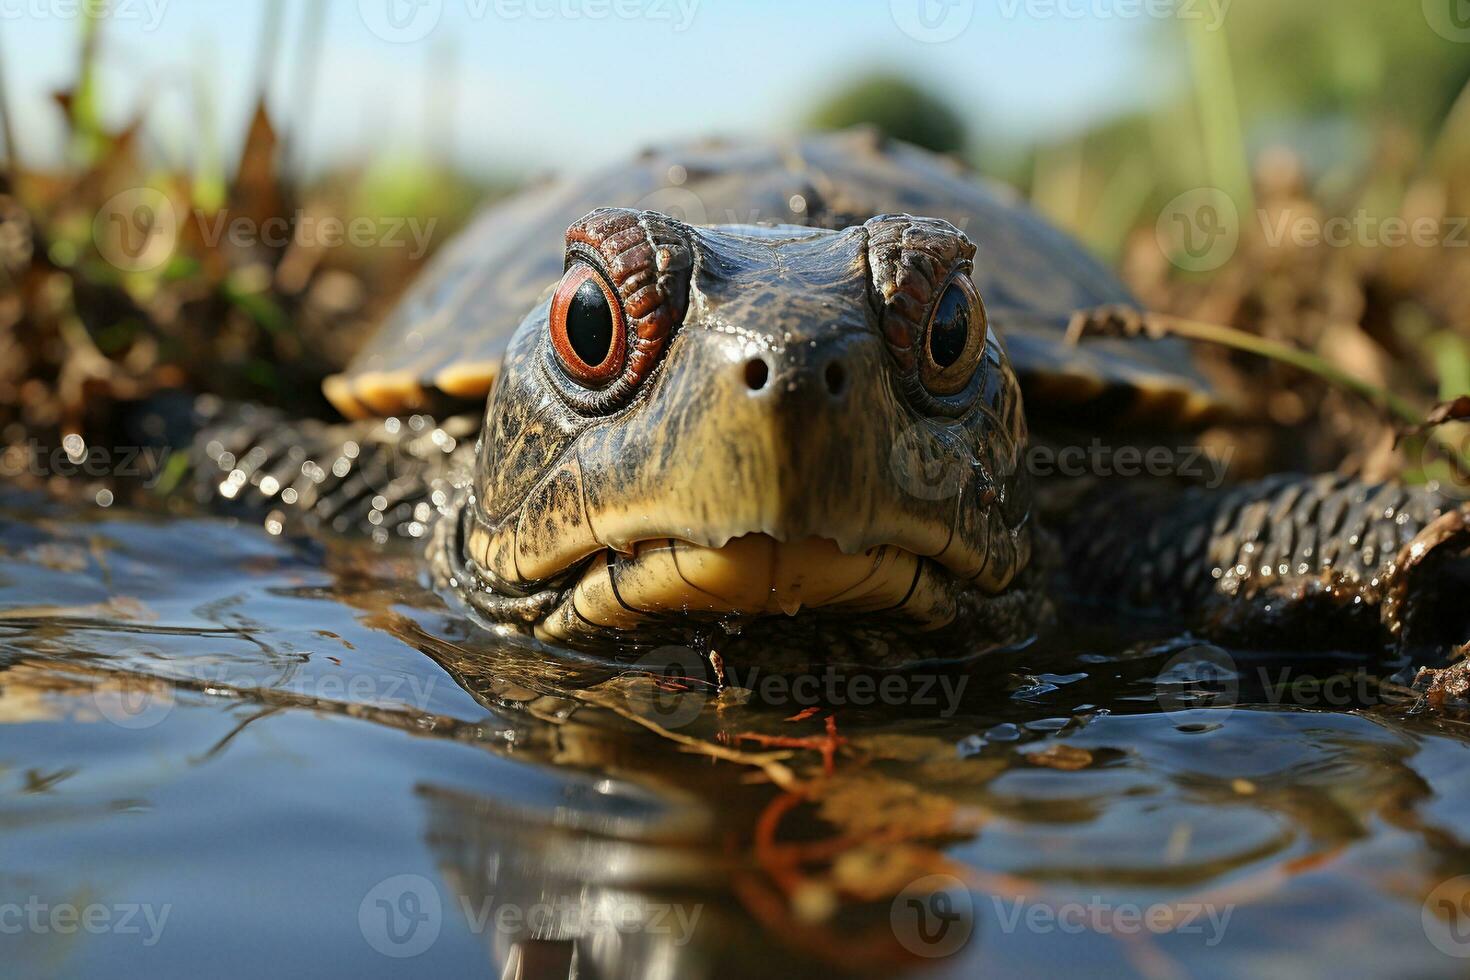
[1362, 93]
[897, 107]
[1306, 111]
[1350, 60]
[1306, 107]
[122, 274]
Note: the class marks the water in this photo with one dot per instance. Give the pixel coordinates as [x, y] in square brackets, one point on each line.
[228, 753]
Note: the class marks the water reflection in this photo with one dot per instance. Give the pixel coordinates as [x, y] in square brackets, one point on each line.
[312, 764]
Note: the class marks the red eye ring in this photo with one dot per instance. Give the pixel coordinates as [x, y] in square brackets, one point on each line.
[565, 344]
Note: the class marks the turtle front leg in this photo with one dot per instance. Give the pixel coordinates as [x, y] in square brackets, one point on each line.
[381, 477]
[1324, 560]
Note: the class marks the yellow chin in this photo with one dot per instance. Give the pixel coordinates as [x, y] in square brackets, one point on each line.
[750, 576]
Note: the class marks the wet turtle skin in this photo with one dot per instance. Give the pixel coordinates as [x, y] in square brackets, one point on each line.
[803, 440]
[748, 469]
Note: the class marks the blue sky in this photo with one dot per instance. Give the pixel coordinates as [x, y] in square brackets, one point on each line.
[568, 84]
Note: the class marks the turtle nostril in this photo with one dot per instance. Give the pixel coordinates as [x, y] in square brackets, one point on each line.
[836, 377]
[757, 372]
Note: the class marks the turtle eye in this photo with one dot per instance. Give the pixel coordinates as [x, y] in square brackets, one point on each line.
[954, 338]
[588, 330]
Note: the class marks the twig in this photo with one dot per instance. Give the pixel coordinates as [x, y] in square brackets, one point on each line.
[768, 762]
[1117, 322]
[826, 744]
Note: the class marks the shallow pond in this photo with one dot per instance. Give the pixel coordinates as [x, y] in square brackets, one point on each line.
[228, 753]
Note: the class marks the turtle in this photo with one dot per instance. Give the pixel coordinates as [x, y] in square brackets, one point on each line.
[784, 394]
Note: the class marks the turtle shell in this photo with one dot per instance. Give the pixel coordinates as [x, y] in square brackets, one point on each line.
[444, 341]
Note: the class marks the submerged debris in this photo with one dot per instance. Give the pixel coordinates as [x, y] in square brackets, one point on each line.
[1446, 687]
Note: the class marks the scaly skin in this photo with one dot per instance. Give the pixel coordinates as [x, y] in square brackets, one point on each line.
[837, 504]
[693, 497]
[1142, 549]
[1323, 559]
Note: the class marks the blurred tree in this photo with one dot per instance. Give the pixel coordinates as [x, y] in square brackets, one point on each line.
[1361, 96]
[1346, 58]
[898, 108]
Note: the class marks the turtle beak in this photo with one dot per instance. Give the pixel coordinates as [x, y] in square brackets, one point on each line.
[808, 440]
[772, 462]
[773, 487]
[789, 442]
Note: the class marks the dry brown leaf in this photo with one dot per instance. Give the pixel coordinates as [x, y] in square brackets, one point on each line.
[1455, 410]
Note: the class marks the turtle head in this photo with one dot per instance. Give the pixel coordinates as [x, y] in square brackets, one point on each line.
[747, 423]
